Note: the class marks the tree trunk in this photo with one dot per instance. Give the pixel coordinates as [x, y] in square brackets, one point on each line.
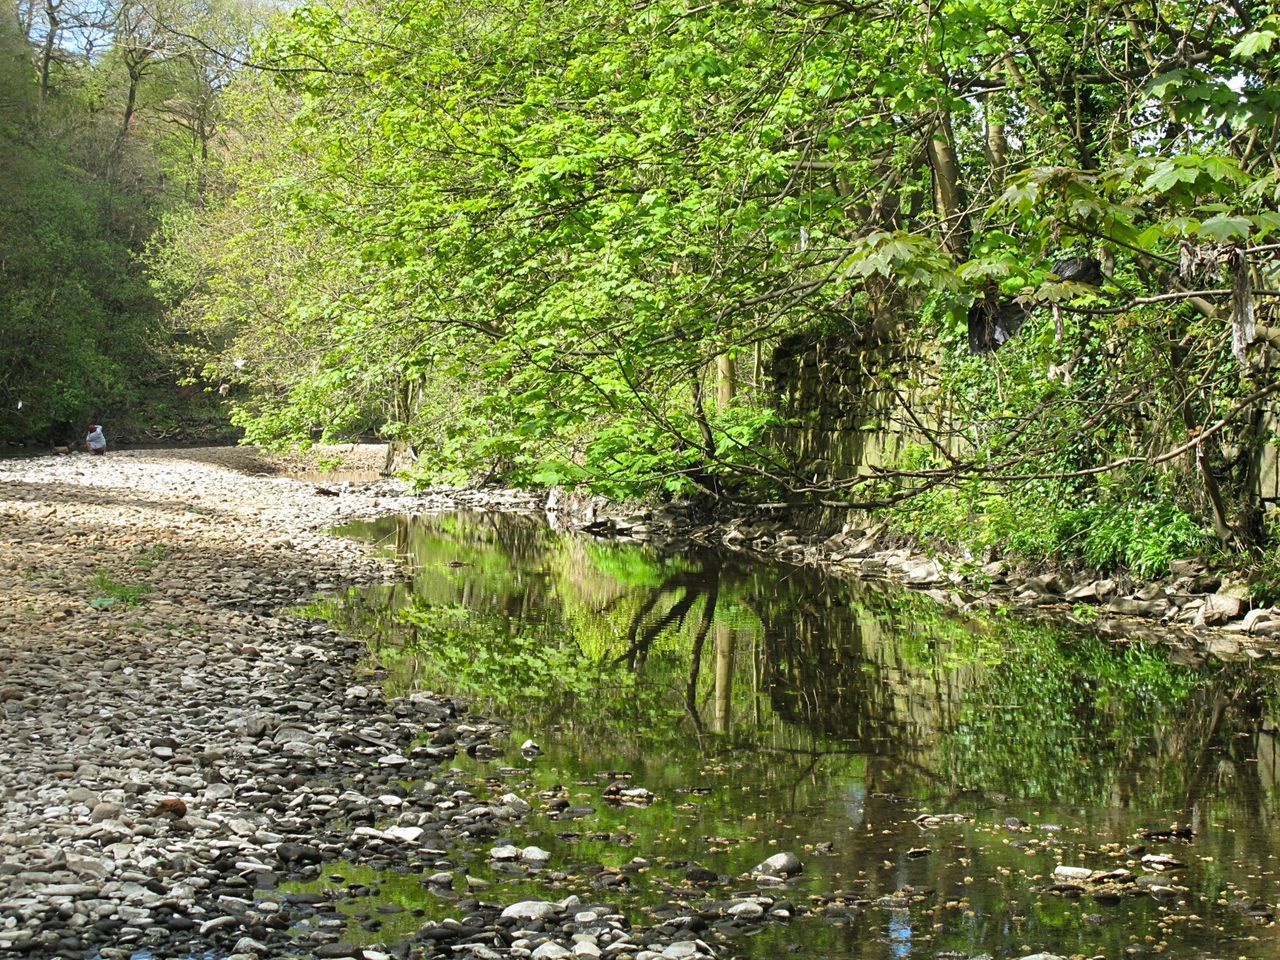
[50, 41]
[26, 18]
[721, 714]
[726, 380]
[997, 143]
[401, 454]
[947, 192]
[130, 105]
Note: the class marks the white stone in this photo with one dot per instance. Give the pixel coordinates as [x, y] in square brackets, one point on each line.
[1072, 873]
[550, 951]
[531, 910]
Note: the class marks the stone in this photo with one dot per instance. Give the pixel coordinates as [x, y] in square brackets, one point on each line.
[531, 910]
[1219, 608]
[1133, 607]
[218, 923]
[550, 951]
[1046, 584]
[922, 571]
[779, 865]
[173, 807]
[404, 834]
[1258, 616]
[1086, 592]
[1063, 872]
[105, 811]
[298, 853]
[535, 855]
[336, 951]
[515, 803]
[695, 873]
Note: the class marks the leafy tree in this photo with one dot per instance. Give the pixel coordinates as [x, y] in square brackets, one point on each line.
[558, 241]
[88, 97]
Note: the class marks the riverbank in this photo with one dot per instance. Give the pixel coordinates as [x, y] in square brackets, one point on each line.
[178, 740]
[1194, 604]
[173, 738]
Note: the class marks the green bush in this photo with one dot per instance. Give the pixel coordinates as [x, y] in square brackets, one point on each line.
[1133, 527]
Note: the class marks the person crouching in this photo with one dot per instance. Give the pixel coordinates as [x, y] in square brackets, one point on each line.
[96, 441]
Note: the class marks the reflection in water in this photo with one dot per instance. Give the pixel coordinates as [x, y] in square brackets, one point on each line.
[771, 707]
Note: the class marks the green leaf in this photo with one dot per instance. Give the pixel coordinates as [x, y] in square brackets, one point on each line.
[1251, 44]
[1224, 229]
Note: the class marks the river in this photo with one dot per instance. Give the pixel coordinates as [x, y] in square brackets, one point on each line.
[770, 708]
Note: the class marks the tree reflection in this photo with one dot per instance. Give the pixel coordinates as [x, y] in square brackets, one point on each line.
[636, 643]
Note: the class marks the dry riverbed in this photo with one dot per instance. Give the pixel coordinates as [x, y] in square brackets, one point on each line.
[172, 738]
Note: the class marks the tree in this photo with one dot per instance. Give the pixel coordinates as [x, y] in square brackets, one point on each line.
[569, 211]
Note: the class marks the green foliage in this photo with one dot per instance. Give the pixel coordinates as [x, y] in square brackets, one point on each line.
[152, 556]
[78, 319]
[547, 245]
[118, 134]
[504, 669]
[1042, 522]
[1142, 537]
[110, 592]
[1065, 702]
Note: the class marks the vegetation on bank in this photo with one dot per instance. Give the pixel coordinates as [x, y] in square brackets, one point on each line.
[559, 243]
[107, 119]
[562, 243]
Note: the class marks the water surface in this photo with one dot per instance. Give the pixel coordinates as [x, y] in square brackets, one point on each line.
[769, 707]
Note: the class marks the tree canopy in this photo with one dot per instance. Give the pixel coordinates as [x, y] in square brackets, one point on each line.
[108, 114]
[561, 242]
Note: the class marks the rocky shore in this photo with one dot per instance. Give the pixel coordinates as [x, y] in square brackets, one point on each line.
[1204, 610]
[179, 738]
[173, 739]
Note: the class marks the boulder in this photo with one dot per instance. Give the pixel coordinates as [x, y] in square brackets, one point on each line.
[1219, 608]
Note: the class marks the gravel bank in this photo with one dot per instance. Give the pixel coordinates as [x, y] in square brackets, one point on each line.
[172, 738]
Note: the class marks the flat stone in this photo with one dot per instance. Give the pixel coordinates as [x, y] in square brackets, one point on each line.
[1063, 872]
[779, 865]
[531, 910]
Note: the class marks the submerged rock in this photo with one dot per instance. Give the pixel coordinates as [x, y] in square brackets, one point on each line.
[779, 865]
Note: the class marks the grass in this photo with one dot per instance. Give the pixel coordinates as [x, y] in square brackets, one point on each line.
[152, 556]
[110, 592]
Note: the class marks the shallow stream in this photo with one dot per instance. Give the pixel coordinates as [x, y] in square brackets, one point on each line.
[771, 708]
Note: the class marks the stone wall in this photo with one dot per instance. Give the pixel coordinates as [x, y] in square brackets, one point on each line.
[856, 405]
